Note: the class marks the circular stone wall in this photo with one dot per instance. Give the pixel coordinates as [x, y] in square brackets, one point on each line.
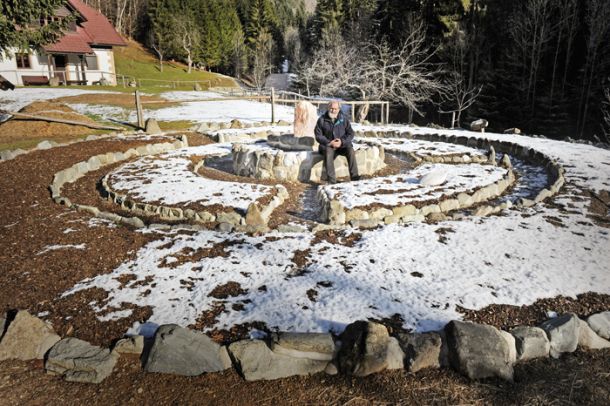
[264, 161]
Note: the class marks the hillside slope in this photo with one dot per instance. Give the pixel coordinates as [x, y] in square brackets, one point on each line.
[136, 61]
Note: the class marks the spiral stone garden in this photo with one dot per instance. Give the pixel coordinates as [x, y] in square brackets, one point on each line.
[242, 238]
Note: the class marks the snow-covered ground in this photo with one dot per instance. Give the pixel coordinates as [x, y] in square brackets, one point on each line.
[17, 99]
[169, 180]
[405, 189]
[418, 271]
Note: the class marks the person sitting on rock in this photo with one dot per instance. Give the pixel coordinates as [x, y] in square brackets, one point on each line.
[334, 134]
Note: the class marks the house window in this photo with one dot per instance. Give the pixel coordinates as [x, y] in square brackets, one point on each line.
[23, 60]
[91, 61]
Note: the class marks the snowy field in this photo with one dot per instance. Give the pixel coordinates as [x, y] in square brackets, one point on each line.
[419, 271]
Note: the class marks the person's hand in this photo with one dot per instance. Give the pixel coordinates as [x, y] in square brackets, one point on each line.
[336, 143]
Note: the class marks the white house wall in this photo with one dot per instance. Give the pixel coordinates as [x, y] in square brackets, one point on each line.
[39, 67]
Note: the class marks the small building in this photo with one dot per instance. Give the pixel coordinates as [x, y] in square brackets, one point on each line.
[83, 55]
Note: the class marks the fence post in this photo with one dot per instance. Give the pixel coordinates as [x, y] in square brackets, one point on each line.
[387, 113]
[353, 112]
[272, 105]
[139, 110]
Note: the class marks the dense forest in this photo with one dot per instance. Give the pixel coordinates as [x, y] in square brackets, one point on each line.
[540, 65]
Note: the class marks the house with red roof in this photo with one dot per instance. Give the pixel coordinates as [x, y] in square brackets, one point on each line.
[83, 55]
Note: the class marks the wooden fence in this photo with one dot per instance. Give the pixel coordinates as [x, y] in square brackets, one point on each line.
[273, 99]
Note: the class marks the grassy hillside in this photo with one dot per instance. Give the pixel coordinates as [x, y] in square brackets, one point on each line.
[136, 61]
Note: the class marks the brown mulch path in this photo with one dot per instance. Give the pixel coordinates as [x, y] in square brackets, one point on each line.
[32, 280]
[577, 378]
[30, 221]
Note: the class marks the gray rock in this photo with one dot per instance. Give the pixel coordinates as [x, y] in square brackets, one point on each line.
[254, 216]
[152, 127]
[225, 227]
[364, 348]
[129, 345]
[135, 222]
[421, 350]
[478, 351]
[491, 156]
[563, 333]
[315, 346]
[44, 145]
[587, 338]
[181, 351]
[505, 162]
[26, 338]
[395, 355]
[79, 361]
[230, 217]
[479, 125]
[531, 342]
[256, 361]
[600, 323]
[292, 228]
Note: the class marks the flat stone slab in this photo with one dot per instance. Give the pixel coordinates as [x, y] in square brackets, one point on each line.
[478, 351]
[315, 346]
[587, 338]
[180, 351]
[256, 361]
[79, 361]
[563, 334]
[26, 338]
[531, 342]
[600, 323]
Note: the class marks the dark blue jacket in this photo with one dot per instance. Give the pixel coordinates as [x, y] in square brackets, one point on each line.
[328, 129]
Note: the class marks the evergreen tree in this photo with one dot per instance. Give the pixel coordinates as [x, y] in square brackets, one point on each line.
[19, 28]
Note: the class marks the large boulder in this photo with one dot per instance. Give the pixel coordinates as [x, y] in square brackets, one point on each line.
[364, 348]
[600, 323]
[256, 361]
[563, 334]
[479, 125]
[314, 346]
[180, 351]
[79, 361]
[152, 127]
[587, 338]
[26, 338]
[421, 350]
[478, 351]
[531, 342]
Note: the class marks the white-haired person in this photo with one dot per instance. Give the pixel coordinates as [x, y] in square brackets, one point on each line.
[334, 133]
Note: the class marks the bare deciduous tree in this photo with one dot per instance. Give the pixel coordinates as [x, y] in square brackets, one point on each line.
[531, 29]
[189, 37]
[606, 114]
[598, 22]
[376, 71]
[460, 95]
[261, 59]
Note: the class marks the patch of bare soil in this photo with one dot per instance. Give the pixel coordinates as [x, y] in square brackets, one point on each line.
[124, 100]
[506, 317]
[578, 378]
[17, 129]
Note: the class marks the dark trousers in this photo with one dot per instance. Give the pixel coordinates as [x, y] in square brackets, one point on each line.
[330, 154]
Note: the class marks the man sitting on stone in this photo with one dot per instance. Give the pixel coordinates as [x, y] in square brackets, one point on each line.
[334, 134]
